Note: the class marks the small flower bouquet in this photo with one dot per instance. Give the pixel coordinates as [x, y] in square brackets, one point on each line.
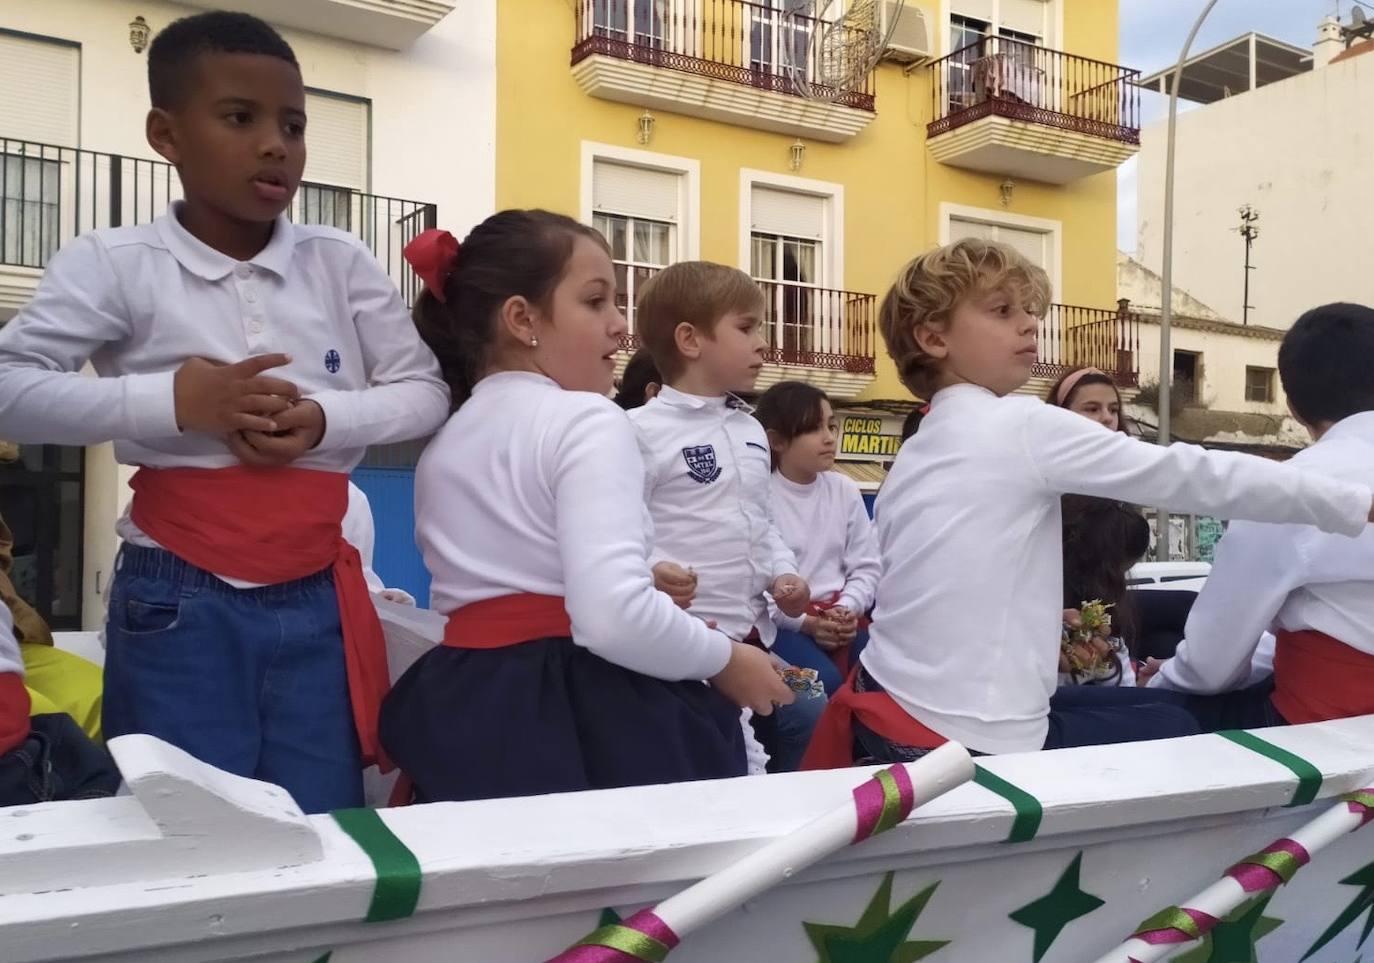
[1088, 652]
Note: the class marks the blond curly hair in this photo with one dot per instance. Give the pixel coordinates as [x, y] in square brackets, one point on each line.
[931, 286]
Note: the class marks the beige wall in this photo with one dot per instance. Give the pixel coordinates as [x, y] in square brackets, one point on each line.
[1298, 152]
[1224, 360]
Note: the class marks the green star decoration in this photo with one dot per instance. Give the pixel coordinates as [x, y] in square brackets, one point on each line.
[609, 917]
[1362, 903]
[880, 936]
[1234, 939]
[1065, 903]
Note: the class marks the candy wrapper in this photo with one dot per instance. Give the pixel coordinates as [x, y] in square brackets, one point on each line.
[804, 682]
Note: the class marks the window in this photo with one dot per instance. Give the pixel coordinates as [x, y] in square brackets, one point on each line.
[42, 501]
[637, 209]
[337, 165]
[1187, 376]
[1036, 245]
[39, 89]
[970, 27]
[639, 249]
[643, 23]
[30, 192]
[787, 256]
[779, 36]
[1259, 384]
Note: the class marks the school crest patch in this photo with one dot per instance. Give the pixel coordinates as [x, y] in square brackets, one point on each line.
[701, 463]
[332, 361]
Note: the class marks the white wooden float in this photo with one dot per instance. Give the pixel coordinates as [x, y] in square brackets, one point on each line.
[197, 865]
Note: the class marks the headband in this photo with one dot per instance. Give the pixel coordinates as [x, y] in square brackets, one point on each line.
[432, 254]
[1071, 382]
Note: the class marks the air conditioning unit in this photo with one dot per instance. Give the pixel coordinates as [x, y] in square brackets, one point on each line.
[910, 39]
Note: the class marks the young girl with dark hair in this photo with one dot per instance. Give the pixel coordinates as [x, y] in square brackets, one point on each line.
[562, 667]
[1103, 537]
[820, 514]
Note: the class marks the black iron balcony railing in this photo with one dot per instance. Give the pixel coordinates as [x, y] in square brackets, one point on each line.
[1007, 78]
[49, 195]
[805, 326]
[756, 44]
[1071, 337]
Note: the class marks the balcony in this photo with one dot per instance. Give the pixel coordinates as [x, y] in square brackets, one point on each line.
[1014, 109]
[51, 194]
[724, 60]
[1070, 337]
[819, 335]
[394, 24]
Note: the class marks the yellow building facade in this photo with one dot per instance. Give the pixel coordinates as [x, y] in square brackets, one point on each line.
[677, 124]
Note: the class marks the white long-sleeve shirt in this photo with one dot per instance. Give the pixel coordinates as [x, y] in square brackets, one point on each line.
[966, 630]
[1282, 578]
[706, 464]
[360, 531]
[533, 489]
[827, 527]
[137, 302]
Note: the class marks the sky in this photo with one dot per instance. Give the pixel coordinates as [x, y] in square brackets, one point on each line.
[1153, 31]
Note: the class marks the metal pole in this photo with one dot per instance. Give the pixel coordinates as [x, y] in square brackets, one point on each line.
[1166, 309]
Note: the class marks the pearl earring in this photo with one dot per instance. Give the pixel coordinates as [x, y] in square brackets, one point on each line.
[534, 342]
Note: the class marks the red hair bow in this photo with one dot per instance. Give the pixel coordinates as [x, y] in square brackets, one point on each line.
[431, 254]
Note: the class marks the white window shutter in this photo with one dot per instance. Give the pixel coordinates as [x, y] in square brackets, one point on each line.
[1032, 245]
[973, 9]
[336, 141]
[788, 213]
[960, 229]
[1024, 16]
[39, 90]
[636, 191]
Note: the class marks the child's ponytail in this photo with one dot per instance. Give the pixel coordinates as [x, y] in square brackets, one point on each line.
[510, 254]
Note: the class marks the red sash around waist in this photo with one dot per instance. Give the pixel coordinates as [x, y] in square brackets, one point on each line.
[507, 620]
[272, 525]
[14, 711]
[1317, 678]
[832, 744]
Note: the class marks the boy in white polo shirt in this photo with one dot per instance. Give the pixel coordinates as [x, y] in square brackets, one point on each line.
[707, 462]
[240, 627]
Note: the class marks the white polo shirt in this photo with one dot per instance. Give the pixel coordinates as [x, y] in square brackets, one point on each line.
[1282, 578]
[136, 302]
[965, 634]
[706, 465]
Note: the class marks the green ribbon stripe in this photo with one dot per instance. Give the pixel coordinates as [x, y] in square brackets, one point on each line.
[1029, 812]
[1282, 864]
[892, 803]
[631, 942]
[1172, 918]
[398, 871]
[1364, 797]
[1309, 776]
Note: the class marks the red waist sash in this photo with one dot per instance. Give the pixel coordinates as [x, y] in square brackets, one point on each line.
[832, 744]
[273, 525]
[14, 711]
[507, 620]
[1317, 678]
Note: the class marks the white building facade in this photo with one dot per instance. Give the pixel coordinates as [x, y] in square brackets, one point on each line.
[402, 106]
[1293, 142]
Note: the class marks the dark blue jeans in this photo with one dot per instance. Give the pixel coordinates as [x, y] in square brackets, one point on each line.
[801, 650]
[252, 681]
[1080, 715]
[56, 762]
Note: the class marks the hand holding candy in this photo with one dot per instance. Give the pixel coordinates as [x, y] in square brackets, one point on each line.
[792, 595]
[676, 582]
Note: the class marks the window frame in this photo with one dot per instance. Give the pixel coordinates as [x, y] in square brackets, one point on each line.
[1269, 374]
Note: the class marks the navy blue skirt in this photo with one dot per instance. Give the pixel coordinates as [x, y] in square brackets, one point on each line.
[550, 716]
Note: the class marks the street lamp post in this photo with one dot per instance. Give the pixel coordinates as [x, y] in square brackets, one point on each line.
[1166, 308]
